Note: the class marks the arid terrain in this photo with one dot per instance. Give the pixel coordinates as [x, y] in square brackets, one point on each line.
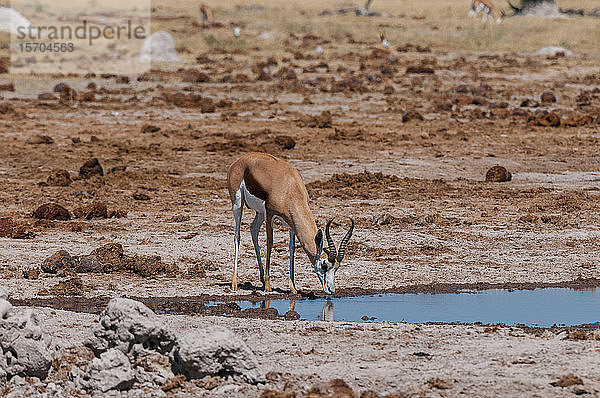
[400, 140]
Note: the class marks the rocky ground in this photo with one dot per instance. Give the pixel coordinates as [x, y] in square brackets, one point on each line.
[115, 187]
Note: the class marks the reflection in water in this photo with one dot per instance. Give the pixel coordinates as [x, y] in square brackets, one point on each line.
[327, 312]
[539, 307]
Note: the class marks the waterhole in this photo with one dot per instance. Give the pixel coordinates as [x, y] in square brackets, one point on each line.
[543, 307]
[539, 307]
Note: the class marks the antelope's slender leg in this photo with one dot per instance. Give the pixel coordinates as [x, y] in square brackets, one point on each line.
[254, 230]
[269, 225]
[238, 208]
[292, 247]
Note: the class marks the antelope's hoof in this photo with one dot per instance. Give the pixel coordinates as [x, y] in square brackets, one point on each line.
[293, 288]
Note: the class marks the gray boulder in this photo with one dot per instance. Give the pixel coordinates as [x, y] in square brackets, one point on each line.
[159, 47]
[132, 328]
[112, 371]
[25, 347]
[215, 351]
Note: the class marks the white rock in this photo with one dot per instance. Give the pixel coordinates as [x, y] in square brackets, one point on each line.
[11, 20]
[112, 371]
[215, 351]
[553, 51]
[5, 308]
[24, 345]
[3, 293]
[131, 327]
[266, 36]
[562, 336]
[159, 47]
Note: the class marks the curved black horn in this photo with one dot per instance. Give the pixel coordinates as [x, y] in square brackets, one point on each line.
[331, 253]
[342, 249]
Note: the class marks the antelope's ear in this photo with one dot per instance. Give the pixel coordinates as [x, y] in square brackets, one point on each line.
[319, 242]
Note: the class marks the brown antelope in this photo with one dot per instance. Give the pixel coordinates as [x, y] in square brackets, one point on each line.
[488, 10]
[207, 16]
[275, 190]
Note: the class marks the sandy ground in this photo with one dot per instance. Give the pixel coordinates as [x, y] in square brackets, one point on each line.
[390, 358]
[404, 150]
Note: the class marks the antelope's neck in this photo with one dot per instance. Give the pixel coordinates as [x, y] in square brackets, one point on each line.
[305, 228]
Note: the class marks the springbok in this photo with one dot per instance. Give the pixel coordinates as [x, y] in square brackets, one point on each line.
[488, 10]
[384, 42]
[207, 16]
[237, 29]
[275, 190]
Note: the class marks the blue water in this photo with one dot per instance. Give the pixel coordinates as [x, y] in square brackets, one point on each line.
[539, 307]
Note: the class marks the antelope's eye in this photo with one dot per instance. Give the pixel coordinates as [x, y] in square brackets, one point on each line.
[324, 266]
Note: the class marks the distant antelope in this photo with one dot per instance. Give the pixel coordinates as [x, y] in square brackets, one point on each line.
[275, 190]
[488, 10]
[237, 29]
[384, 42]
[207, 16]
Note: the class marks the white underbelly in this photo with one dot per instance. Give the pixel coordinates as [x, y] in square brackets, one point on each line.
[257, 204]
[253, 202]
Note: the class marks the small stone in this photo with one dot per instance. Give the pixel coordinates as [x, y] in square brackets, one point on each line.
[440, 384]
[88, 96]
[291, 315]
[140, 196]
[148, 266]
[52, 211]
[90, 168]
[547, 97]
[194, 76]
[498, 174]
[334, 388]
[59, 178]
[60, 87]
[411, 115]
[91, 211]
[40, 139]
[117, 213]
[47, 97]
[89, 263]
[388, 90]
[149, 128]
[21, 231]
[568, 381]
[285, 141]
[112, 257]
[31, 273]
[529, 103]
[59, 261]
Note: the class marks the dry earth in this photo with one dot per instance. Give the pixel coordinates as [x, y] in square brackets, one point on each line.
[402, 144]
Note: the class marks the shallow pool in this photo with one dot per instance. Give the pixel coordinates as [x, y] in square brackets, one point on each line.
[539, 307]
